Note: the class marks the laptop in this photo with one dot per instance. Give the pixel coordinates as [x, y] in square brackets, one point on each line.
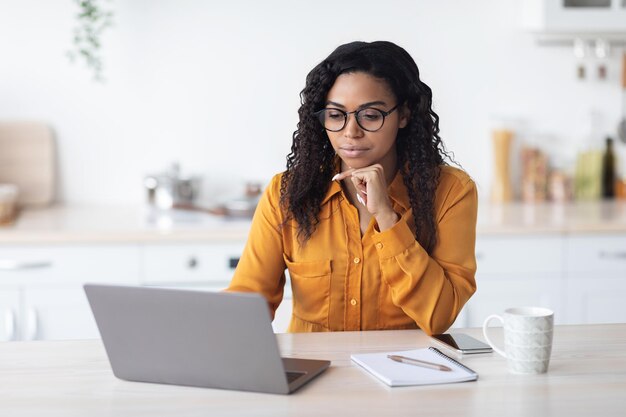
[195, 338]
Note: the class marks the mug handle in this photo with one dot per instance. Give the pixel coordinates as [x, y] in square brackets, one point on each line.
[485, 326]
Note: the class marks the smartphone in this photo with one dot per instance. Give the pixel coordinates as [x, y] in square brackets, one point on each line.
[462, 343]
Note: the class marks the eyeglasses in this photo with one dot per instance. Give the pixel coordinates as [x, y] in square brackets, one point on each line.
[369, 118]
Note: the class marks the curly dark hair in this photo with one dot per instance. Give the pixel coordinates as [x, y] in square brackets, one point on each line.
[311, 163]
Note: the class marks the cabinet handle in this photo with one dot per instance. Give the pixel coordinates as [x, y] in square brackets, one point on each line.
[232, 262]
[612, 255]
[32, 324]
[192, 263]
[9, 324]
[11, 265]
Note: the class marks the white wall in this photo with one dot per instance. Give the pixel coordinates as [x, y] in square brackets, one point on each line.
[215, 85]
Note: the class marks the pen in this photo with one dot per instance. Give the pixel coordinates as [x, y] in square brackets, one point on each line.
[417, 362]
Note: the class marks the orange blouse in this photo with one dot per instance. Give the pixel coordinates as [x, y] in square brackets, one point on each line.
[344, 280]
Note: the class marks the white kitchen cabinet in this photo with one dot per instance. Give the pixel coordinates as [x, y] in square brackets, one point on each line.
[9, 311]
[596, 279]
[210, 264]
[75, 264]
[497, 293]
[43, 285]
[201, 266]
[597, 255]
[524, 254]
[577, 17]
[282, 318]
[516, 271]
[596, 300]
[57, 313]
[582, 277]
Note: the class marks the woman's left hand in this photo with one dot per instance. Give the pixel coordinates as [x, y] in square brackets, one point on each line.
[371, 188]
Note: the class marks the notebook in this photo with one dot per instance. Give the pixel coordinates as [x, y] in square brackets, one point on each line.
[397, 374]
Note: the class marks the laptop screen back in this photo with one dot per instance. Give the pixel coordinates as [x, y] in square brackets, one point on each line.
[218, 340]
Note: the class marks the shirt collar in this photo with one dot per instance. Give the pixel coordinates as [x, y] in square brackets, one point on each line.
[334, 188]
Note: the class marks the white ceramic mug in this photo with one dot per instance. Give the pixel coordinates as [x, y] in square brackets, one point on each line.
[527, 338]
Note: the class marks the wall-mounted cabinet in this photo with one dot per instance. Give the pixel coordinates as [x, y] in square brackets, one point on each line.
[576, 17]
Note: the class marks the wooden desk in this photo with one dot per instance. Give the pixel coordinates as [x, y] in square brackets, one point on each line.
[587, 377]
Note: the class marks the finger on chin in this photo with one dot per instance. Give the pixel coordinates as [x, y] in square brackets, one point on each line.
[342, 175]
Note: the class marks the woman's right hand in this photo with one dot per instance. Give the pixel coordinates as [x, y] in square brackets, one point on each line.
[371, 189]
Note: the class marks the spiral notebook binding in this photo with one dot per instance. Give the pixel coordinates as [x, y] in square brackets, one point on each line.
[454, 361]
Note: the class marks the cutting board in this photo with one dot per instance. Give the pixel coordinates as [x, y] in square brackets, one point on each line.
[27, 159]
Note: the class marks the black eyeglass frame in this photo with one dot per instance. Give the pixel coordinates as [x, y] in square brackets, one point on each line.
[319, 113]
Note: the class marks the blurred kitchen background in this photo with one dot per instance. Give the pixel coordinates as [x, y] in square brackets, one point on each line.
[194, 110]
[215, 85]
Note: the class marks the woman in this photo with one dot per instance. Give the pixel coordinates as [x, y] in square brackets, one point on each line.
[377, 232]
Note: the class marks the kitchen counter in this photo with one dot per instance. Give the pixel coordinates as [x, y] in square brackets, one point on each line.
[564, 218]
[81, 224]
[114, 224]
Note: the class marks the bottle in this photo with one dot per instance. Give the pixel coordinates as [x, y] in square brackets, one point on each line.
[608, 170]
[502, 190]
